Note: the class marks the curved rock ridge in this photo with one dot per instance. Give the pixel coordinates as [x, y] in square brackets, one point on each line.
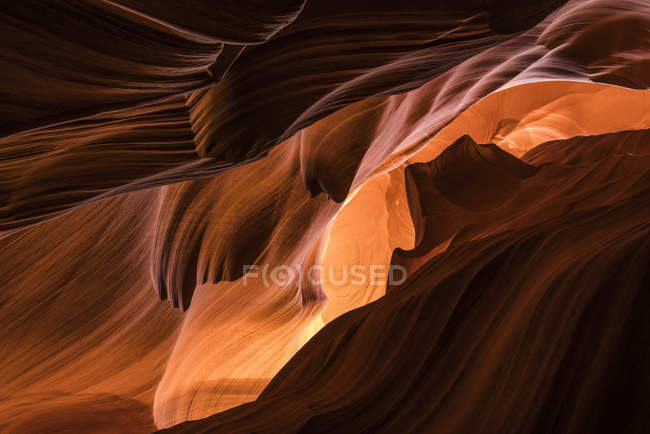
[95, 56]
[321, 69]
[283, 329]
[200, 241]
[157, 155]
[457, 171]
[534, 322]
[208, 230]
[253, 325]
[169, 66]
[559, 181]
[236, 23]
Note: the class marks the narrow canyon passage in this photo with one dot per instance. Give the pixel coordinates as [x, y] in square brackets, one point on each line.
[202, 208]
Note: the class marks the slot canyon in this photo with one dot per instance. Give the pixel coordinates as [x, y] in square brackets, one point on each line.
[325, 216]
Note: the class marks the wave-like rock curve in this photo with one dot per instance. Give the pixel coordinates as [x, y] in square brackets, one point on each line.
[495, 150]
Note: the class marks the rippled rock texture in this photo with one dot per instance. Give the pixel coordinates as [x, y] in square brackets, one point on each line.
[496, 152]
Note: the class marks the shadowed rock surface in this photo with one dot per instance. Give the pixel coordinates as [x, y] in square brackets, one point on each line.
[533, 323]
[151, 152]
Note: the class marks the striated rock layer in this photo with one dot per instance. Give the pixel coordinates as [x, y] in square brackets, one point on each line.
[531, 319]
[496, 151]
[133, 98]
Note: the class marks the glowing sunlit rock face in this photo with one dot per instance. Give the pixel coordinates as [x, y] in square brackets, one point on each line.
[325, 216]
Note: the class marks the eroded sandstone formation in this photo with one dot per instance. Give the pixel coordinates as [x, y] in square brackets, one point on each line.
[496, 151]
